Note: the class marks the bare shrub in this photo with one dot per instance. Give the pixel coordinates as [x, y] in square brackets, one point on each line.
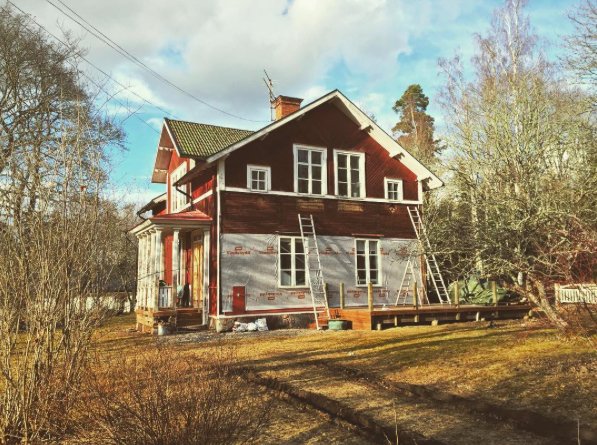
[53, 172]
[163, 397]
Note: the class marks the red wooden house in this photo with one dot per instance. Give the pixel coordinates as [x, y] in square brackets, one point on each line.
[223, 242]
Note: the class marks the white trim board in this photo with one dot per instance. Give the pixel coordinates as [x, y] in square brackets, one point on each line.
[338, 198]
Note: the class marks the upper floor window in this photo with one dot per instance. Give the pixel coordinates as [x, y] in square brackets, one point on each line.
[258, 178]
[393, 189]
[178, 200]
[291, 262]
[310, 171]
[350, 174]
[367, 262]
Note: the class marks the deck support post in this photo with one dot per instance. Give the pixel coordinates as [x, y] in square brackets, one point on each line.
[495, 297]
[396, 320]
[341, 295]
[415, 296]
[370, 296]
[456, 294]
[457, 317]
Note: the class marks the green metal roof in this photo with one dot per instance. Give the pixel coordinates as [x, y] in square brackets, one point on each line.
[203, 140]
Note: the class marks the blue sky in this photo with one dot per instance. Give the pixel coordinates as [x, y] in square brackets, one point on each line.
[217, 50]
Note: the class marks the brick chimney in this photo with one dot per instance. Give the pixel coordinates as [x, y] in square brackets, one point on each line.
[285, 105]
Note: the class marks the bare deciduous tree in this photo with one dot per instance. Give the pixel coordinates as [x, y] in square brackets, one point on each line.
[521, 205]
[53, 170]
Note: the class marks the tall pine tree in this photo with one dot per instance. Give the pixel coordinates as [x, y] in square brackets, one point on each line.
[414, 130]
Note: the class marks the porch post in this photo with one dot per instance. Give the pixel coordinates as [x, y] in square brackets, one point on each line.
[175, 266]
[139, 269]
[146, 269]
[151, 287]
[159, 267]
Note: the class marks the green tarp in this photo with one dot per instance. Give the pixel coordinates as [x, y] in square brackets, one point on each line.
[474, 290]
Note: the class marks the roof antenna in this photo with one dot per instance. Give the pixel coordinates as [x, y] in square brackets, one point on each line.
[272, 96]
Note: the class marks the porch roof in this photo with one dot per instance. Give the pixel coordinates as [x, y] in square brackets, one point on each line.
[193, 215]
[190, 219]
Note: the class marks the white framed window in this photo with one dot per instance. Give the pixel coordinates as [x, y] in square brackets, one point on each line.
[310, 170]
[292, 262]
[393, 189]
[258, 178]
[350, 174]
[178, 200]
[367, 262]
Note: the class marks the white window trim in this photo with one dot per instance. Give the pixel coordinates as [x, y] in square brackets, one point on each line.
[386, 181]
[293, 270]
[379, 265]
[324, 172]
[362, 191]
[268, 175]
[173, 177]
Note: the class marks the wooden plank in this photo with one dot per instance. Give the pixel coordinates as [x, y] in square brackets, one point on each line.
[360, 319]
[267, 214]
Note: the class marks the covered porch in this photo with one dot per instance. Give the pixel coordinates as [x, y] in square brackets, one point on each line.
[173, 270]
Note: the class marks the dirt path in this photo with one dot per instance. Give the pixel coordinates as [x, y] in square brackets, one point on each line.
[423, 420]
[295, 423]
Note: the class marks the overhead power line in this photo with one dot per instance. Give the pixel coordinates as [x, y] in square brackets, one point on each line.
[89, 27]
[93, 81]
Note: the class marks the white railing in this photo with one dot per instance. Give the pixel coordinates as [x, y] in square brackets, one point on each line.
[165, 296]
[580, 293]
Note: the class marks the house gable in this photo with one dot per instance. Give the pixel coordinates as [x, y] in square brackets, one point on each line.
[329, 128]
[359, 118]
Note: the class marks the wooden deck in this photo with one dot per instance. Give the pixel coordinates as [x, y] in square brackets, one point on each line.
[147, 319]
[362, 318]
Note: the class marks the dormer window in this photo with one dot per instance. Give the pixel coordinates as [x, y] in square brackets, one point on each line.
[178, 200]
[258, 178]
[393, 189]
[310, 172]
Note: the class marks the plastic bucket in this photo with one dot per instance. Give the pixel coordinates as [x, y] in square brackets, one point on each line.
[163, 329]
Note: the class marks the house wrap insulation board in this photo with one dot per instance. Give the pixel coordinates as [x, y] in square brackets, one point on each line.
[251, 260]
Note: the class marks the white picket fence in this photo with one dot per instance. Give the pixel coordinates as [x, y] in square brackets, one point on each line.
[577, 293]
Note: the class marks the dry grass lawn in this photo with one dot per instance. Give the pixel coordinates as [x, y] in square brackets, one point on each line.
[514, 364]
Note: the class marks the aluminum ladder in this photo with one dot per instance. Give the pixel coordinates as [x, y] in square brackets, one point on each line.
[317, 286]
[432, 266]
[405, 289]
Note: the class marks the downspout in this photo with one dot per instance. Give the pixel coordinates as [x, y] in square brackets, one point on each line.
[187, 195]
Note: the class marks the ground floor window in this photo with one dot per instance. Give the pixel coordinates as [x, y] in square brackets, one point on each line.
[367, 262]
[291, 262]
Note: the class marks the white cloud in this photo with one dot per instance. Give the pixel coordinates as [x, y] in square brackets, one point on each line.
[155, 122]
[217, 50]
